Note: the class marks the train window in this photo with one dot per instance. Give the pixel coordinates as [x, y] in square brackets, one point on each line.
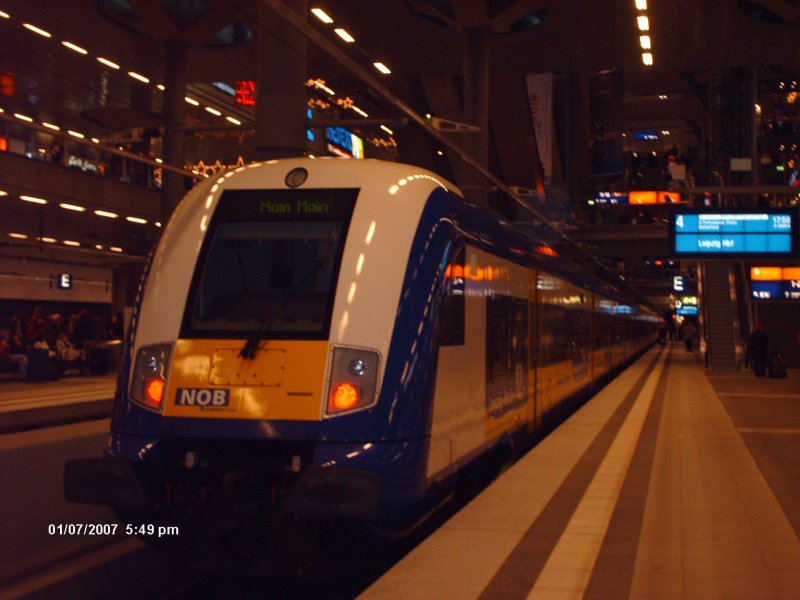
[452, 328]
[506, 335]
[506, 353]
[271, 259]
[552, 337]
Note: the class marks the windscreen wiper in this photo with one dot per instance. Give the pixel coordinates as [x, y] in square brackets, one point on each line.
[248, 351]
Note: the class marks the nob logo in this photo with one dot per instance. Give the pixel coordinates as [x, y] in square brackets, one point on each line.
[202, 397]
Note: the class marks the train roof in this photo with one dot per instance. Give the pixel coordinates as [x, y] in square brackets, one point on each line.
[490, 230]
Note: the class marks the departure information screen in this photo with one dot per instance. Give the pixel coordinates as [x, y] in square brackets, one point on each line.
[733, 233]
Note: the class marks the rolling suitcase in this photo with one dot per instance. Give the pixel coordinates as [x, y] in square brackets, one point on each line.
[777, 364]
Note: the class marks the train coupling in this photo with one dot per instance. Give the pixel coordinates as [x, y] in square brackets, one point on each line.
[335, 492]
[106, 481]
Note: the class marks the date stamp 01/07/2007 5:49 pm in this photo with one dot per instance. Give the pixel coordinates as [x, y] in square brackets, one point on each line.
[130, 529]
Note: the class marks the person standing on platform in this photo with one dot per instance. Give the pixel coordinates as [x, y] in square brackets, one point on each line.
[689, 334]
[757, 349]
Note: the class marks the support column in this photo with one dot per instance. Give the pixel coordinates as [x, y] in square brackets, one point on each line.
[750, 125]
[575, 135]
[280, 126]
[172, 186]
[476, 107]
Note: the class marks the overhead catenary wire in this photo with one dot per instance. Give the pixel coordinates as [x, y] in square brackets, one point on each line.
[300, 23]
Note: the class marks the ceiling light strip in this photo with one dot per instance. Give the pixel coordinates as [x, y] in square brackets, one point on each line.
[73, 207]
[321, 15]
[342, 33]
[136, 75]
[37, 30]
[33, 199]
[107, 62]
[75, 47]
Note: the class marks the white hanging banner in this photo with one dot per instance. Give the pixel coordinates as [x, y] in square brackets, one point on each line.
[540, 97]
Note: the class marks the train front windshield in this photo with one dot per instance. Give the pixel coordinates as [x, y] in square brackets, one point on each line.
[270, 260]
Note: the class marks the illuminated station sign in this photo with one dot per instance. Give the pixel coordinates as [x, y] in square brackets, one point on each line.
[611, 198]
[343, 143]
[775, 283]
[733, 233]
[636, 197]
[686, 306]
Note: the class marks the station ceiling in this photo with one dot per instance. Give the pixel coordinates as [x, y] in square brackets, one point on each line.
[421, 41]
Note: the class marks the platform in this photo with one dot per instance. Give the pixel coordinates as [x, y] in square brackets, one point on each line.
[672, 482]
[25, 404]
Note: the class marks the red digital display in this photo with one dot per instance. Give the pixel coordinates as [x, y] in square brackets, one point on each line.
[246, 93]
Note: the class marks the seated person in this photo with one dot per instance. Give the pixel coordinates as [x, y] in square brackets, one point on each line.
[68, 355]
[12, 355]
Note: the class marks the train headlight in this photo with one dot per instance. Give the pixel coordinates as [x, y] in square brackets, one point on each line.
[353, 381]
[150, 373]
[359, 367]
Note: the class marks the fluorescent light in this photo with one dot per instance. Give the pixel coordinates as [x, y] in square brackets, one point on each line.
[647, 58]
[51, 126]
[141, 78]
[158, 223]
[76, 134]
[359, 111]
[664, 132]
[192, 101]
[74, 207]
[105, 213]
[5, 15]
[107, 62]
[49, 240]
[321, 15]
[643, 22]
[95, 140]
[19, 236]
[159, 160]
[71, 243]
[662, 96]
[161, 87]
[644, 42]
[33, 199]
[641, 4]
[74, 47]
[35, 29]
[136, 220]
[387, 130]
[234, 121]
[23, 117]
[382, 68]
[213, 111]
[98, 246]
[3, 193]
[344, 35]
[115, 249]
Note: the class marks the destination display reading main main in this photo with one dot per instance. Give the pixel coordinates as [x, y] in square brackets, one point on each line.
[725, 233]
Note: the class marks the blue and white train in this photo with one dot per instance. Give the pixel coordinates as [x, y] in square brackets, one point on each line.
[340, 338]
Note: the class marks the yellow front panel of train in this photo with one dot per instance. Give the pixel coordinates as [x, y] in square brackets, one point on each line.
[284, 381]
